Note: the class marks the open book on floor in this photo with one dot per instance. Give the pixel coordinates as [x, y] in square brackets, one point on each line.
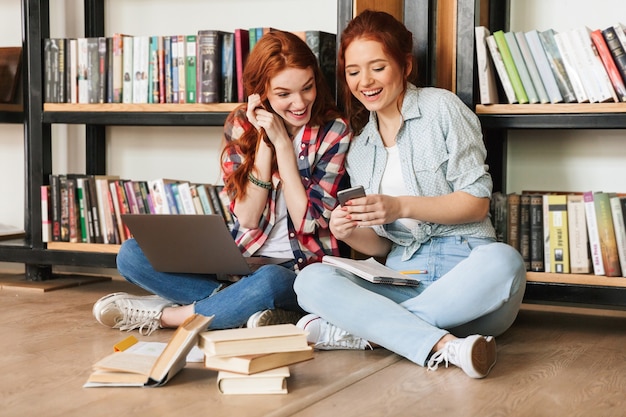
[127, 369]
[371, 270]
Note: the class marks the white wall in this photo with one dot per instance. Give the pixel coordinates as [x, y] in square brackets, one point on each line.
[568, 160]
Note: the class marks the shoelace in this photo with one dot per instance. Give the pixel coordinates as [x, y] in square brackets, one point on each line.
[332, 336]
[145, 320]
[446, 354]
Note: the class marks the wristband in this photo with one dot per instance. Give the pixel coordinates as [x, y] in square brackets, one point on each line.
[263, 184]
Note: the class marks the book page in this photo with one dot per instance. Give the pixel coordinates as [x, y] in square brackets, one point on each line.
[369, 268]
[126, 362]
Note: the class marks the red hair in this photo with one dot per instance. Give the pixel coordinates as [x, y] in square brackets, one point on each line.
[397, 43]
[272, 54]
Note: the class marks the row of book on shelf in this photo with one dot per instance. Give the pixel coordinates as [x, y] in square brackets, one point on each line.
[205, 67]
[580, 65]
[247, 360]
[559, 232]
[80, 208]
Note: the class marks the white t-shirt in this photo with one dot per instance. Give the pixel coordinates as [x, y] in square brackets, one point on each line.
[392, 182]
[277, 243]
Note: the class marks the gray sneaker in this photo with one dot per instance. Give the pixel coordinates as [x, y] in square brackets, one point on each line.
[271, 317]
[326, 336]
[128, 312]
[475, 355]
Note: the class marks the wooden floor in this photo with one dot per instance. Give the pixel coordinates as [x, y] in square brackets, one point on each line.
[552, 362]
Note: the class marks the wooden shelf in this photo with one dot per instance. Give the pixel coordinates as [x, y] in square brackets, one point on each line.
[150, 108]
[576, 279]
[84, 247]
[559, 108]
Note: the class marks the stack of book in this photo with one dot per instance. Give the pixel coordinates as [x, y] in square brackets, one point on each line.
[80, 208]
[254, 360]
[204, 67]
[564, 232]
[580, 65]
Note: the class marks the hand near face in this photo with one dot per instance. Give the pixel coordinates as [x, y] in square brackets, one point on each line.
[271, 123]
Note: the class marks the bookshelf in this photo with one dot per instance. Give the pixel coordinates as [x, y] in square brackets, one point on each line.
[497, 120]
[38, 118]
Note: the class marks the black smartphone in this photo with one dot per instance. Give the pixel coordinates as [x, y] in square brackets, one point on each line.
[350, 193]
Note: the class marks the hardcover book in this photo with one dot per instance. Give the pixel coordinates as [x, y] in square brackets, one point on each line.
[607, 60]
[522, 68]
[617, 50]
[572, 68]
[592, 231]
[580, 263]
[190, 68]
[503, 76]
[242, 48]
[324, 47]
[486, 72]
[126, 369]
[524, 227]
[509, 65]
[210, 66]
[253, 340]
[10, 76]
[531, 66]
[536, 233]
[252, 364]
[127, 67]
[556, 65]
[141, 60]
[273, 381]
[620, 229]
[513, 216]
[559, 239]
[229, 81]
[606, 234]
[543, 66]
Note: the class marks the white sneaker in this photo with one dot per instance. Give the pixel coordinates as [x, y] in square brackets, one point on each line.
[271, 317]
[326, 336]
[475, 355]
[128, 312]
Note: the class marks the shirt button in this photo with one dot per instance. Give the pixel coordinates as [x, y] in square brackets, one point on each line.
[300, 260]
[301, 157]
[291, 234]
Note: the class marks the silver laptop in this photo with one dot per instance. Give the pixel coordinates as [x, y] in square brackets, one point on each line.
[188, 243]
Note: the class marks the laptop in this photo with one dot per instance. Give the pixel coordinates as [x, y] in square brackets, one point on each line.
[191, 243]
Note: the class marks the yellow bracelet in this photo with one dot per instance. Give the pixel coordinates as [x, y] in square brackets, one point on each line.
[263, 184]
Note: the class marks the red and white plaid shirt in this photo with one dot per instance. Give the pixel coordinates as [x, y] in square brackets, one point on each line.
[321, 165]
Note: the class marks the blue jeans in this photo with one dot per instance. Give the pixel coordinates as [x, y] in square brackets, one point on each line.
[269, 287]
[473, 286]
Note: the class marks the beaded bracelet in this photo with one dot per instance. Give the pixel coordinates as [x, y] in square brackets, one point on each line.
[263, 184]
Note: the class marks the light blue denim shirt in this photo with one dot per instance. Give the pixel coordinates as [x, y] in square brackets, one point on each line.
[441, 151]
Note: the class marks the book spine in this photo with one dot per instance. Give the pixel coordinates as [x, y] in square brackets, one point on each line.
[228, 68]
[566, 50]
[592, 230]
[513, 207]
[543, 66]
[606, 234]
[242, 48]
[556, 65]
[524, 227]
[533, 71]
[73, 70]
[620, 230]
[607, 60]
[597, 77]
[82, 207]
[46, 225]
[577, 234]
[209, 50]
[190, 68]
[503, 76]
[536, 233]
[616, 49]
[118, 67]
[546, 233]
[153, 69]
[511, 69]
[65, 207]
[559, 243]
[182, 74]
[167, 67]
[127, 65]
[73, 213]
[521, 67]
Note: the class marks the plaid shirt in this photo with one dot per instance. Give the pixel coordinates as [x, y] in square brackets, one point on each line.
[321, 166]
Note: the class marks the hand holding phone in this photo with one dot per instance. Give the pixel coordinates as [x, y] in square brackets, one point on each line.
[350, 193]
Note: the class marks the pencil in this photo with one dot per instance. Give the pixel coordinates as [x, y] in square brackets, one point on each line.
[414, 272]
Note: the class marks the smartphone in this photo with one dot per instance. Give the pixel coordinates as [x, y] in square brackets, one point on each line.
[350, 193]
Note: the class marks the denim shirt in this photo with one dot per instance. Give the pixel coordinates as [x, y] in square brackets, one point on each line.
[441, 151]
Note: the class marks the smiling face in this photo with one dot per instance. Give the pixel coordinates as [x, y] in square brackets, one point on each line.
[373, 77]
[291, 94]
